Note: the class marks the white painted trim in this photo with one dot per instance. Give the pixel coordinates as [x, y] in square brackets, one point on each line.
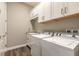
[10, 48]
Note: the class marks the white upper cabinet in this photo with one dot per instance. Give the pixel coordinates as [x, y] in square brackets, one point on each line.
[47, 10]
[41, 16]
[34, 12]
[38, 11]
[58, 9]
[72, 8]
[43, 11]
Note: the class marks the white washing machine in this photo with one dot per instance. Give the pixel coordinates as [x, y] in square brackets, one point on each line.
[35, 44]
[59, 46]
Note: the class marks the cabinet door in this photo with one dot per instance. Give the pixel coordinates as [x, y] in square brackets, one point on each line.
[73, 7]
[3, 24]
[47, 11]
[3, 18]
[34, 12]
[35, 46]
[41, 13]
[35, 50]
[58, 9]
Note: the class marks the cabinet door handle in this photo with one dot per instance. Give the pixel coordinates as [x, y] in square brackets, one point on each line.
[66, 10]
[62, 11]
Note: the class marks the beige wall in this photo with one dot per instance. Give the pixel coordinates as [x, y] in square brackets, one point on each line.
[18, 23]
[60, 25]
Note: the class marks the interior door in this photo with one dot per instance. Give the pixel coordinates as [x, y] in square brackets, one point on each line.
[3, 24]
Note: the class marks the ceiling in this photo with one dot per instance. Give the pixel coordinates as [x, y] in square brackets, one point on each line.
[33, 4]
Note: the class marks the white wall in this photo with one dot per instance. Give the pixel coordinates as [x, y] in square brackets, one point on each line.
[18, 23]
